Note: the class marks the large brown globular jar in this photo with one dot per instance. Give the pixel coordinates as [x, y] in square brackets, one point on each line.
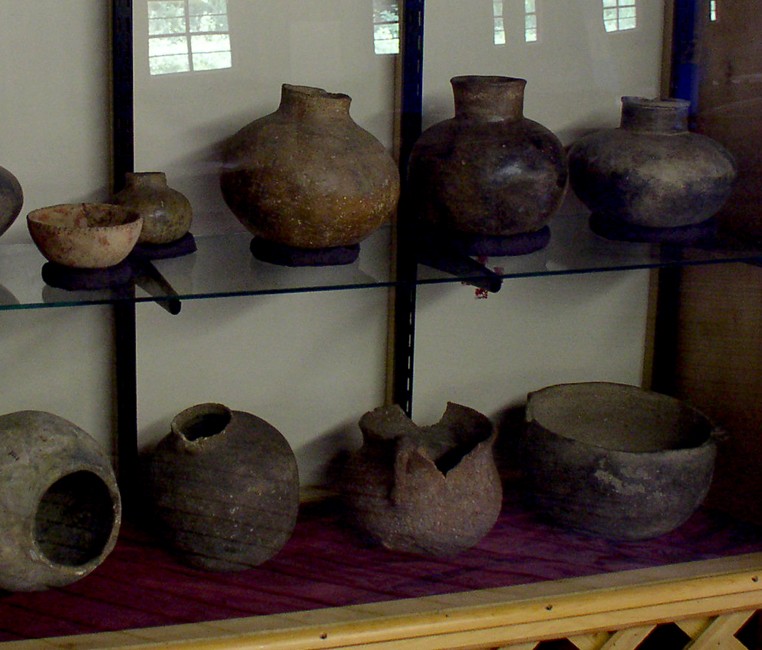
[488, 173]
[307, 177]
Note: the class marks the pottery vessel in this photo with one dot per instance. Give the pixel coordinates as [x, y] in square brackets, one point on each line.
[60, 508]
[652, 171]
[431, 490]
[223, 488]
[615, 460]
[307, 176]
[488, 170]
[167, 214]
[85, 235]
[11, 199]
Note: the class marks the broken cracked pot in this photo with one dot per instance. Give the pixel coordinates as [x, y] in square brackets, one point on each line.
[431, 490]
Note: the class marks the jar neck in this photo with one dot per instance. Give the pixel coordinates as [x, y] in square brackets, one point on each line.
[655, 115]
[201, 422]
[305, 102]
[145, 179]
[489, 97]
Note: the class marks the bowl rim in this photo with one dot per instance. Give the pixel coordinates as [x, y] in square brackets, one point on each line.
[714, 433]
[133, 217]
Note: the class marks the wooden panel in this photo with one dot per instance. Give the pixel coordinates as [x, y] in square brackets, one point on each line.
[720, 372]
[720, 338]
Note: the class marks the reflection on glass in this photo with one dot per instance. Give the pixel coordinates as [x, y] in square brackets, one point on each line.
[499, 22]
[188, 36]
[530, 21]
[619, 15]
[713, 10]
[386, 26]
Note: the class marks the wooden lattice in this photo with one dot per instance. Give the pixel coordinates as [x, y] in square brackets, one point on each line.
[717, 633]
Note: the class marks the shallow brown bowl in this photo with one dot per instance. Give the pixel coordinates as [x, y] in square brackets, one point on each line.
[616, 460]
[85, 235]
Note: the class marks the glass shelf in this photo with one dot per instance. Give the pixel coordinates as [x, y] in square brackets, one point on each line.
[223, 266]
[575, 249]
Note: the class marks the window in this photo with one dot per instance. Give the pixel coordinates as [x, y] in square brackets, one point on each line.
[499, 22]
[530, 21]
[386, 26]
[188, 36]
[713, 10]
[619, 15]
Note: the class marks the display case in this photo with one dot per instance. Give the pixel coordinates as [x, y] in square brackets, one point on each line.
[405, 323]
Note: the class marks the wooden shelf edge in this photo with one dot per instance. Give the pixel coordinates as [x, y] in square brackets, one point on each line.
[485, 618]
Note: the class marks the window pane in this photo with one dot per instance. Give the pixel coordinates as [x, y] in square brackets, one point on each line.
[206, 7]
[212, 60]
[209, 23]
[166, 8]
[210, 43]
[169, 64]
[499, 31]
[159, 26]
[529, 6]
[166, 45]
[627, 23]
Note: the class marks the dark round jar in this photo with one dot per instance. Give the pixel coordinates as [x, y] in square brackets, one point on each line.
[488, 170]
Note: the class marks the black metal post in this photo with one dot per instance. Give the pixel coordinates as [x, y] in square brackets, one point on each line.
[684, 84]
[124, 307]
[411, 106]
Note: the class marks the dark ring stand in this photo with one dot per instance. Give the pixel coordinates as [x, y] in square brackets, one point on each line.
[610, 228]
[501, 245]
[183, 246]
[284, 255]
[64, 277]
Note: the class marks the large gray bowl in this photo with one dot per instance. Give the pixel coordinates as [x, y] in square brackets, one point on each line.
[616, 460]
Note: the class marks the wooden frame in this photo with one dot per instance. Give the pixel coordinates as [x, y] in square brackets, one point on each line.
[709, 600]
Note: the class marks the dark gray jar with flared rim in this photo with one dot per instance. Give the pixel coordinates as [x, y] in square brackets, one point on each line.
[223, 488]
[651, 171]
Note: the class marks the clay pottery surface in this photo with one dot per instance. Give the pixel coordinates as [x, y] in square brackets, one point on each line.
[431, 490]
[85, 235]
[307, 175]
[167, 214]
[11, 199]
[488, 170]
[616, 460]
[652, 171]
[223, 488]
[60, 509]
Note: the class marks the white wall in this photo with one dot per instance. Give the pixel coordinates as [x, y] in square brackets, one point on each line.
[313, 363]
[54, 137]
[489, 353]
